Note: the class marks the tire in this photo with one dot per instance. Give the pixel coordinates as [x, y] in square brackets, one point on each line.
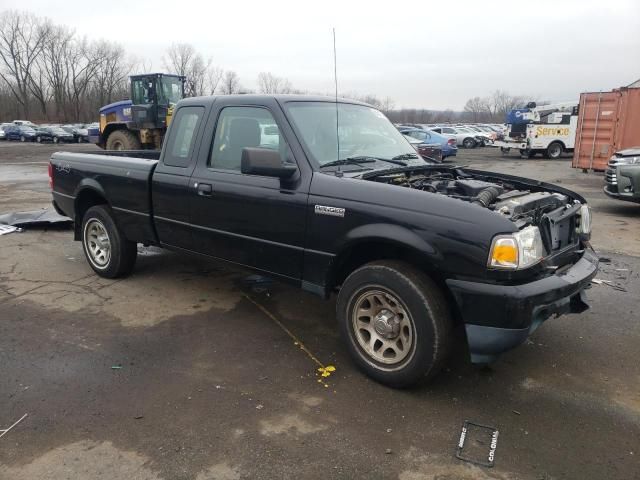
[505, 150]
[390, 288]
[108, 252]
[555, 150]
[123, 140]
[469, 143]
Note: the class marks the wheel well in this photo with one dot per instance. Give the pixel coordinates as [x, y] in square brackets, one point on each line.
[362, 253]
[86, 199]
[365, 252]
[558, 141]
[112, 127]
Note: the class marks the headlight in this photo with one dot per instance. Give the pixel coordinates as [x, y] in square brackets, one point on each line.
[584, 224]
[516, 251]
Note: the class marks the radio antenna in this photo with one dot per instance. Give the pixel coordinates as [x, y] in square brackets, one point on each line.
[335, 79]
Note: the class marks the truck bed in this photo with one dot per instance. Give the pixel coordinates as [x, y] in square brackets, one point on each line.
[124, 178]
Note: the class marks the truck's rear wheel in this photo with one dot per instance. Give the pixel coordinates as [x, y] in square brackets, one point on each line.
[123, 140]
[395, 321]
[554, 150]
[108, 251]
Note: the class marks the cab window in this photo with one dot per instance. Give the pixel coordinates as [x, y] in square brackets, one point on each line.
[182, 137]
[242, 127]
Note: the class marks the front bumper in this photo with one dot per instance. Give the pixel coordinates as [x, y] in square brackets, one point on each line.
[498, 318]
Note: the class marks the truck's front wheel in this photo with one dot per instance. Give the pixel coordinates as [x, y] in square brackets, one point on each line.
[123, 140]
[396, 322]
[108, 251]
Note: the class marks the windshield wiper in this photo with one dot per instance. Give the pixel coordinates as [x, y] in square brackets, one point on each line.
[406, 156]
[348, 161]
[395, 160]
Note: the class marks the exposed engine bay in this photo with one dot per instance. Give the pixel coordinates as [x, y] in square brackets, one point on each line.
[555, 213]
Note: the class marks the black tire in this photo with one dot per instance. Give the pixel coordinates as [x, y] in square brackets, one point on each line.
[123, 140]
[122, 252]
[428, 314]
[469, 143]
[555, 150]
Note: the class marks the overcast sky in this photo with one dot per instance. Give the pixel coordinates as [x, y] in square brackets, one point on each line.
[425, 54]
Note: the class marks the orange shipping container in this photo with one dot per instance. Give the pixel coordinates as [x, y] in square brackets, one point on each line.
[607, 122]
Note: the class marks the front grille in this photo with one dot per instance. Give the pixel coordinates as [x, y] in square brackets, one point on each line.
[610, 176]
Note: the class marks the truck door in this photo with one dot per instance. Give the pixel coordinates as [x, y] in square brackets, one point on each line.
[252, 220]
[170, 183]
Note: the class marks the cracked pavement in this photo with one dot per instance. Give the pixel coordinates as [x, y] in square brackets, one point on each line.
[173, 373]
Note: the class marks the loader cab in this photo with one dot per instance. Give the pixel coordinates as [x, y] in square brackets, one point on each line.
[153, 97]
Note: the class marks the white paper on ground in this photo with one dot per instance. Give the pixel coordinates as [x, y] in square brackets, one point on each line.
[8, 229]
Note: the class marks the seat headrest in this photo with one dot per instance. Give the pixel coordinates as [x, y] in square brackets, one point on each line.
[244, 132]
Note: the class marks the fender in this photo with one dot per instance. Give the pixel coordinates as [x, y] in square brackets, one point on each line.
[387, 233]
[396, 236]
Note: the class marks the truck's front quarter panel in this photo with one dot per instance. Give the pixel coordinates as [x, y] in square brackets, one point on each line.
[450, 236]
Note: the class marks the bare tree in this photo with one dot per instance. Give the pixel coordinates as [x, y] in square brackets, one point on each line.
[502, 102]
[22, 37]
[230, 83]
[202, 77]
[269, 83]
[214, 76]
[179, 58]
[478, 108]
[111, 74]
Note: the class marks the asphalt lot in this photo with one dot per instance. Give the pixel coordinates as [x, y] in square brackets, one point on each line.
[185, 370]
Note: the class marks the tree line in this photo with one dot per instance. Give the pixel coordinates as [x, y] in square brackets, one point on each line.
[48, 73]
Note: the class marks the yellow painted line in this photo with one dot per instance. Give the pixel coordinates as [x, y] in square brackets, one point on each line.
[323, 371]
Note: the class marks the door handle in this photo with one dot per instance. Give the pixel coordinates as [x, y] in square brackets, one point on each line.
[204, 189]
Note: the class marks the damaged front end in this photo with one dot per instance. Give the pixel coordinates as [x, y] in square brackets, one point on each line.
[551, 219]
[539, 270]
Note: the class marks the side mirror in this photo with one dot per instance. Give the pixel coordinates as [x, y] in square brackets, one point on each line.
[266, 162]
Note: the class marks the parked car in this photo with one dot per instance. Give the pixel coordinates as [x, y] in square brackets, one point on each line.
[25, 123]
[3, 136]
[622, 177]
[463, 137]
[448, 145]
[53, 134]
[428, 151]
[412, 249]
[79, 132]
[20, 132]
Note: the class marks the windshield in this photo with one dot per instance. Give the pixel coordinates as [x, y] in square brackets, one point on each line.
[363, 132]
[169, 90]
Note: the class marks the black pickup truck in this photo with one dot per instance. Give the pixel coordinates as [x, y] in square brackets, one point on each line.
[329, 196]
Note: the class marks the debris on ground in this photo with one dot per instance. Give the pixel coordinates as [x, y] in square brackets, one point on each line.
[257, 283]
[477, 444]
[4, 229]
[116, 367]
[4, 431]
[45, 216]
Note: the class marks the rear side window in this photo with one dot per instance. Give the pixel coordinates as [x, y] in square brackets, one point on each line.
[182, 138]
